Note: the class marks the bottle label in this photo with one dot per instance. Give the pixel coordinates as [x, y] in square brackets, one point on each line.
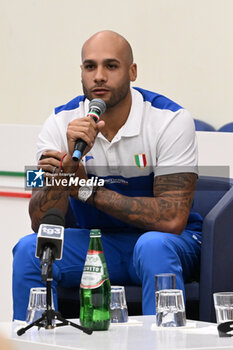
[93, 272]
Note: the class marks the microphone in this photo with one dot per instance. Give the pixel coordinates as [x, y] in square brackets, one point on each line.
[96, 108]
[50, 240]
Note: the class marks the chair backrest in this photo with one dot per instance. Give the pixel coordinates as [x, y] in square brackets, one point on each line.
[203, 126]
[226, 128]
[209, 191]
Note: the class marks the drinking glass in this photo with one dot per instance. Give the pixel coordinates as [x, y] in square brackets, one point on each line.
[37, 304]
[171, 309]
[118, 306]
[163, 281]
[223, 303]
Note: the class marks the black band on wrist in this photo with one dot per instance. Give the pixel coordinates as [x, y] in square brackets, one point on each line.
[95, 189]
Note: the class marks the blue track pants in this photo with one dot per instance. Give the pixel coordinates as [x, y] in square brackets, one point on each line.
[131, 259]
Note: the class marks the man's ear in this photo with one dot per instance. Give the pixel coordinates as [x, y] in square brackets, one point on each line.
[133, 72]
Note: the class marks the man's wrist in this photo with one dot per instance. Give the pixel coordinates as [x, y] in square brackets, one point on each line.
[94, 192]
[68, 166]
[87, 193]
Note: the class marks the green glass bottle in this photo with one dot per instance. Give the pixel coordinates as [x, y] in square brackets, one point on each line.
[95, 288]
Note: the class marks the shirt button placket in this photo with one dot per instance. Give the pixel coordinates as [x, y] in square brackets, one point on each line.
[113, 162]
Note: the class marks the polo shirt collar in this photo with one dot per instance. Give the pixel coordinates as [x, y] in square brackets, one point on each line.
[133, 123]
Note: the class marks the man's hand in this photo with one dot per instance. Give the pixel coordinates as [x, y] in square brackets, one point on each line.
[50, 162]
[83, 128]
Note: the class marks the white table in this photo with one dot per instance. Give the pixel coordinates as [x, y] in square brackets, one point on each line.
[139, 333]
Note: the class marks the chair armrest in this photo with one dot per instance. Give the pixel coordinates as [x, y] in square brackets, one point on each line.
[216, 254]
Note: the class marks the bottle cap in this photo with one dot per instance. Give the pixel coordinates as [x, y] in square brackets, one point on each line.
[95, 233]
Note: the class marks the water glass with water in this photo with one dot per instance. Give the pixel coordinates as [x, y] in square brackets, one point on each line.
[171, 309]
[223, 303]
[163, 281]
[118, 306]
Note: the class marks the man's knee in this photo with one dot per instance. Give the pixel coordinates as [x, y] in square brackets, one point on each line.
[152, 242]
[155, 251]
[24, 250]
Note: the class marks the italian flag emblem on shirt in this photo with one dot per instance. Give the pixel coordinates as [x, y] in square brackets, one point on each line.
[140, 160]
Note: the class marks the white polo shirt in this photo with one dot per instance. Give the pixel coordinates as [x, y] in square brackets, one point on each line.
[158, 138]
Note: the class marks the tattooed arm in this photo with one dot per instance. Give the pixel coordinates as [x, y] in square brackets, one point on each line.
[52, 196]
[44, 199]
[167, 211]
[49, 197]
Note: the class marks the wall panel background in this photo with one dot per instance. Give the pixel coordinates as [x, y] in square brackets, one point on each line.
[183, 49]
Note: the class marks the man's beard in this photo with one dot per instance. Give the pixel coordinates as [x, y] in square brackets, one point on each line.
[117, 95]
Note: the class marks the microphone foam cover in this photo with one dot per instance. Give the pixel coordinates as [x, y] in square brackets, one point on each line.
[97, 102]
[53, 216]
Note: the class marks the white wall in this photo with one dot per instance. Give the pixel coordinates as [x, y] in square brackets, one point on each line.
[183, 49]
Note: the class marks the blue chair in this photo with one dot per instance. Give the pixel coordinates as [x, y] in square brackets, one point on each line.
[214, 201]
[226, 128]
[203, 126]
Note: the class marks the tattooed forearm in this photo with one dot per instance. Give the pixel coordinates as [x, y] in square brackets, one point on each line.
[174, 182]
[168, 211]
[44, 199]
